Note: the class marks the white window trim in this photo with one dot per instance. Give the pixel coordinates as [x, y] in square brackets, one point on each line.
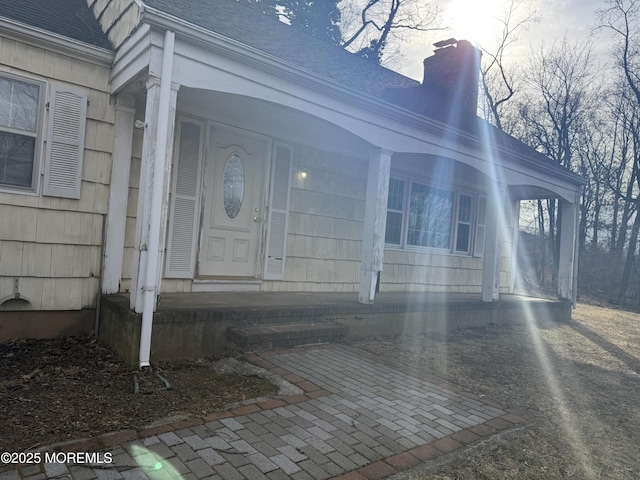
[471, 223]
[457, 189]
[403, 212]
[34, 189]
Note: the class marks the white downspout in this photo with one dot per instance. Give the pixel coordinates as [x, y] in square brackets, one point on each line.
[149, 286]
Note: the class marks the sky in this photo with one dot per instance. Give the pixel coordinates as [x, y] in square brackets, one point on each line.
[476, 20]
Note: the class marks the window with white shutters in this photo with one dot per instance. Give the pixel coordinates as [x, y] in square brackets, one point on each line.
[424, 214]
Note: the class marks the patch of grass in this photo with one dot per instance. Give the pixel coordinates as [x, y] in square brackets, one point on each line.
[579, 380]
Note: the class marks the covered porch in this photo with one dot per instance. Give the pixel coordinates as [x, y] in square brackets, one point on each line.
[228, 176]
[195, 325]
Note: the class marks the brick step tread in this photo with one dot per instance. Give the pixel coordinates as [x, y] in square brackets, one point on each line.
[308, 332]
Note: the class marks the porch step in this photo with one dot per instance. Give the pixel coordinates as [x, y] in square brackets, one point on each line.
[264, 337]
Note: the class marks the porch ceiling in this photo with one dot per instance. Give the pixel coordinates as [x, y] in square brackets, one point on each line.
[278, 121]
[530, 192]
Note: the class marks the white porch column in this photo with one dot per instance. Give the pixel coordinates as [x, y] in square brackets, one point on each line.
[515, 232]
[492, 240]
[118, 194]
[164, 218]
[148, 168]
[375, 220]
[568, 232]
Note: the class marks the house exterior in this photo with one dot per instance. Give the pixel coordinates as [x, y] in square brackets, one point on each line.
[238, 154]
[56, 138]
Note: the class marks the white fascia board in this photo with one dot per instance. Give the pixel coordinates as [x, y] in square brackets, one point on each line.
[388, 111]
[55, 42]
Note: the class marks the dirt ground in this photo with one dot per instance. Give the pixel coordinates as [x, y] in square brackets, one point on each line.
[71, 388]
[580, 381]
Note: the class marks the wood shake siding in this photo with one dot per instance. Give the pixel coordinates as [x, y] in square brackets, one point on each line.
[326, 214]
[53, 245]
[132, 201]
[118, 18]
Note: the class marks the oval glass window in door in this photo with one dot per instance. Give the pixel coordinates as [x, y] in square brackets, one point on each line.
[233, 186]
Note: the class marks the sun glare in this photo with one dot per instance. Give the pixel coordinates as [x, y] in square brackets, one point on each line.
[474, 20]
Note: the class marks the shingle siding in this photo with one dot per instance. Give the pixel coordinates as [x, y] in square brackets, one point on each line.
[53, 245]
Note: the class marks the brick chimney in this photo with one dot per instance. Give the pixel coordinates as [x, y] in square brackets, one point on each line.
[453, 71]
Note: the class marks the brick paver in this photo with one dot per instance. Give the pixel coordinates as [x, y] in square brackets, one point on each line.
[364, 420]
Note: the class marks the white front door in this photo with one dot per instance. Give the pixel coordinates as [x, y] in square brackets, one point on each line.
[234, 204]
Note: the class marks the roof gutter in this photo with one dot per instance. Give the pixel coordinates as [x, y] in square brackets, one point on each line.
[62, 44]
[245, 53]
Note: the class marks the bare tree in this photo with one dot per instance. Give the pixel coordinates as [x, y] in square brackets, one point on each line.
[499, 80]
[627, 168]
[622, 19]
[557, 98]
[593, 149]
[367, 30]
[620, 168]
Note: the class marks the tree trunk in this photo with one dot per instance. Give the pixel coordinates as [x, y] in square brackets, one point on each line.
[553, 239]
[628, 265]
[540, 270]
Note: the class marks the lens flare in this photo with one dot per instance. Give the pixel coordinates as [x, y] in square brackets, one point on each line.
[153, 465]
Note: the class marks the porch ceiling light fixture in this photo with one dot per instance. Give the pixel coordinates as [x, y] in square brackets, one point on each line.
[302, 173]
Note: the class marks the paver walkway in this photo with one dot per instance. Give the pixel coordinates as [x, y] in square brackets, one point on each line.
[357, 416]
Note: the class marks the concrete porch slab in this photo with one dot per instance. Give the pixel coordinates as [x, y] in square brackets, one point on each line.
[194, 325]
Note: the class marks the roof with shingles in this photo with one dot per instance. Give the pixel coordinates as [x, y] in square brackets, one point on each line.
[247, 25]
[69, 18]
[251, 27]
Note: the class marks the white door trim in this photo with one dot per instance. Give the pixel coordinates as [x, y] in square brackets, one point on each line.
[211, 126]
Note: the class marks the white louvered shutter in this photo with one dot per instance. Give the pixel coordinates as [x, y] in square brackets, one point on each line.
[278, 213]
[185, 194]
[65, 142]
[481, 221]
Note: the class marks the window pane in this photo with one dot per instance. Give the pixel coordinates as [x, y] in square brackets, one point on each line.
[16, 159]
[19, 105]
[396, 194]
[430, 217]
[233, 193]
[464, 209]
[462, 238]
[394, 228]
